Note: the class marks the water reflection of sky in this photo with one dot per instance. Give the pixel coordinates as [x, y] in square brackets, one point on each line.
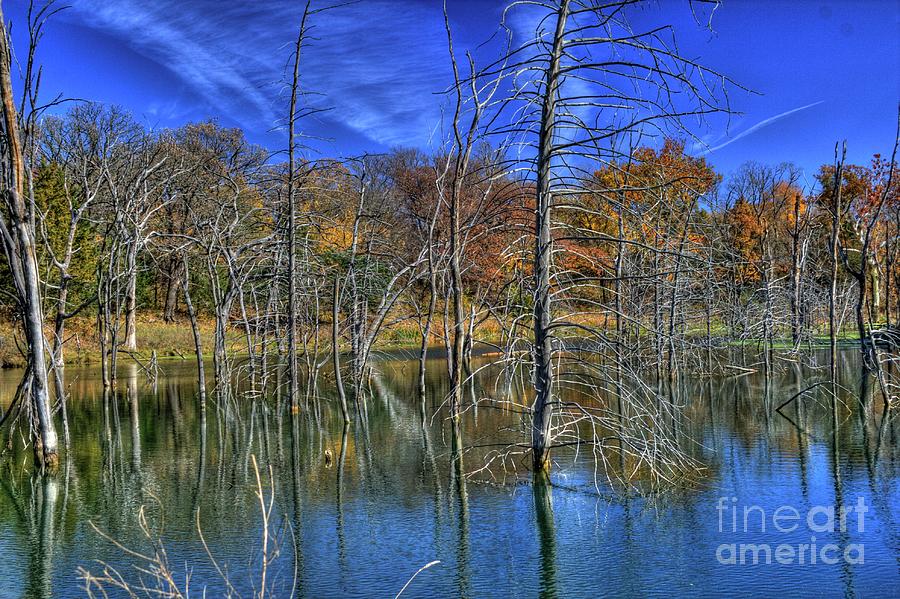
[400, 506]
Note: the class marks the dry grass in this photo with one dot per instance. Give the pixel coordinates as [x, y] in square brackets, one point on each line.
[176, 340]
[81, 346]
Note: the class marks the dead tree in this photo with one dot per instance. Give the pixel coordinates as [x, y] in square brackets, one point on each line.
[589, 80]
[226, 226]
[74, 147]
[455, 183]
[17, 228]
[799, 231]
[292, 316]
[866, 218]
[836, 214]
[382, 263]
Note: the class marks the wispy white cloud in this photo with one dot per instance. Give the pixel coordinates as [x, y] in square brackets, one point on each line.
[760, 125]
[192, 46]
[377, 63]
[380, 68]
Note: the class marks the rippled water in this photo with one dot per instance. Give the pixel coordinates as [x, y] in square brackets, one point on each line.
[356, 513]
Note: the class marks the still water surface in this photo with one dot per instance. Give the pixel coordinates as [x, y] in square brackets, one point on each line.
[357, 514]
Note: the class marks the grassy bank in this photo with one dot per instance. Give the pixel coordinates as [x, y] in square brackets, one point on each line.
[81, 345]
[176, 340]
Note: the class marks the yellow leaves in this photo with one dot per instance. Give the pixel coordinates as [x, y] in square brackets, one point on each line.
[338, 236]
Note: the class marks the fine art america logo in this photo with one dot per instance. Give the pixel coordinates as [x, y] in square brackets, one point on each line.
[828, 521]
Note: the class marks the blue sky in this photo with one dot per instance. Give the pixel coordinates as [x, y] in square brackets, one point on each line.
[823, 70]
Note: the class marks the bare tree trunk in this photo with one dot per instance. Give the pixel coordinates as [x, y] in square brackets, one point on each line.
[221, 366]
[174, 277]
[619, 345]
[19, 245]
[708, 297]
[875, 282]
[768, 325]
[57, 358]
[657, 306]
[542, 409]
[423, 349]
[889, 270]
[429, 317]
[101, 332]
[47, 450]
[131, 299]
[336, 348]
[835, 229]
[456, 292]
[860, 309]
[249, 337]
[293, 373]
[195, 330]
[673, 299]
[795, 277]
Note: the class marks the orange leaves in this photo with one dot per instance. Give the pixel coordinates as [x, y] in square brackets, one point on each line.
[744, 230]
[653, 196]
[491, 207]
[788, 204]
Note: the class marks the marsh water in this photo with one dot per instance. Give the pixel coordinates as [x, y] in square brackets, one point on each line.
[358, 511]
